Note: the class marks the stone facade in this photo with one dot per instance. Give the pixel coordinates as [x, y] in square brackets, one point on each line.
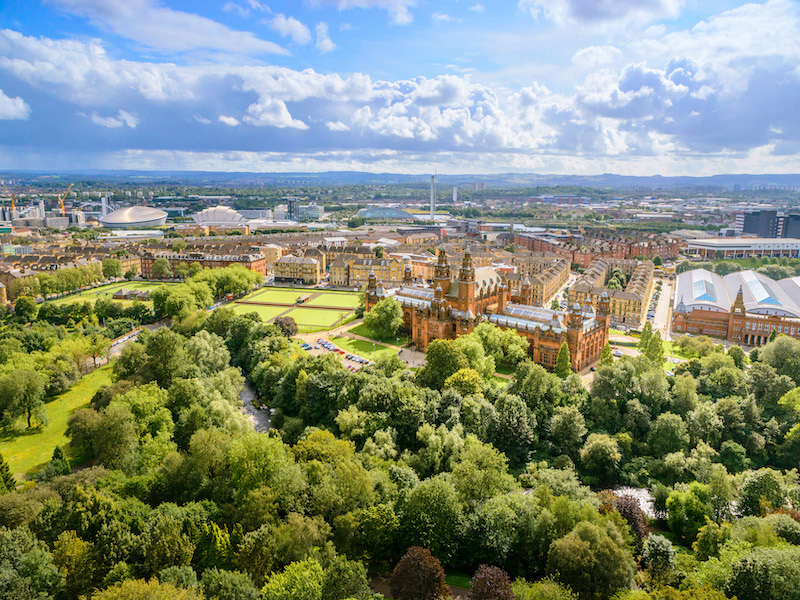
[254, 261]
[629, 306]
[458, 302]
[298, 269]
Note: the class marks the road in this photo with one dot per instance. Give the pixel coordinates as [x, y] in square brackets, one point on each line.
[662, 320]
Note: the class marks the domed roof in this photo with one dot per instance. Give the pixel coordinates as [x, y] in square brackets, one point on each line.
[134, 216]
[218, 214]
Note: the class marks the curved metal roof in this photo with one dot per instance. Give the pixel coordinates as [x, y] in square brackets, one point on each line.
[135, 216]
[218, 214]
[702, 289]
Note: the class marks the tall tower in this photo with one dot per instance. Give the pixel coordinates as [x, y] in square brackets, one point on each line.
[466, 282]
[455, 194]
[433, 197]
[441, 272]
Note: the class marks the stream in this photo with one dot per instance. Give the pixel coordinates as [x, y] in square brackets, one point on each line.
[259, 417]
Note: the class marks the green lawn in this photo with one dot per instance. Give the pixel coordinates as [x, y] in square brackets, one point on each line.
[363, 331]
[276, 296]
[363, 348]
[317, 317]
[107, 291]
[267, 313]
[28, 452]
[338, 300]
[505, 369]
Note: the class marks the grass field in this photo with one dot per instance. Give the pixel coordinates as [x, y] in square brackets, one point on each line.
[106, 290]
[363, 331]
[337, 300]
[28, 452]
[270, 296]
[317, 317]
[267, 313]
[363, 348]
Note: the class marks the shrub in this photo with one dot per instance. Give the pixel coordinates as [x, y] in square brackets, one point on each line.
[490, 583]
[418, 576]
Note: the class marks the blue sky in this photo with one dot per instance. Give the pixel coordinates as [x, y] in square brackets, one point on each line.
[671, 87]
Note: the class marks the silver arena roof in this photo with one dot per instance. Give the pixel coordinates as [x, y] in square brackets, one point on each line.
[134, 217]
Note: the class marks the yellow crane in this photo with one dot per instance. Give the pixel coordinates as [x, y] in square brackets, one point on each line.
[13, 197]
[61, 201]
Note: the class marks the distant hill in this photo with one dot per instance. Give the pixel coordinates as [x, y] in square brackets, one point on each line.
[338, 178]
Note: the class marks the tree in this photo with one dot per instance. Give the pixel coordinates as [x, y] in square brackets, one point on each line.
[442, 359]
[26, 309]
[22, 394]
[432, 516]
[490, 583]
[644, 337]
[738, 356]
[567, 430]
[465, 381]
[563, 367]
[418, 576]
[606, 356]
[228, 585]
[592, 560]
[655, 349]
[161, 268]
[378, 251]
[385, 318]
[346, 580]
[600, 456]
[668, 434]
[555, 304]
[287, 325]
[657, 261]
[138, 589]
[513, 430]
[7, 481]
[658, 555]
[131, 272]
[298, 581]
[112, 267]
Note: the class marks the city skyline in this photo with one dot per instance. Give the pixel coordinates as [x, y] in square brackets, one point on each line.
[666, 87]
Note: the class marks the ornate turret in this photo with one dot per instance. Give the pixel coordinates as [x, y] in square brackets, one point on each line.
[372, 283]
[408, 278]
[738, 304]
[467, 271]
[527, 291]
[681, 308]
[441, 272]
[502, 297]
[604, 305]
[575, 318]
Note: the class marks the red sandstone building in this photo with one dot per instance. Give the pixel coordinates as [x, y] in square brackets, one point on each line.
[457, 303]
[585, 246]
[255, 261]
[743, 307]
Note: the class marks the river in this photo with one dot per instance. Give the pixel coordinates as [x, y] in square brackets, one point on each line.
[259, 417]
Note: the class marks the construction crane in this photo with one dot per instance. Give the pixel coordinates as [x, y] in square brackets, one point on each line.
[13, 197]
[61, 201]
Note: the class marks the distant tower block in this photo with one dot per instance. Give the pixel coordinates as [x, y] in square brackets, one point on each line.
[455, 194]
[433, 196]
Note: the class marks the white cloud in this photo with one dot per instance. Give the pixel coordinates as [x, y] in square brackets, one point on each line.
[229, 121]
[477, 7]
[13, 108]
[244, 11]
[161, 28]
[123, 118]
[324, 42]
[202, 119]
[291, 27]
[440, 16]
[564, 11]
[596, 56]
[270, 112]
[337, 126]
[398, 9]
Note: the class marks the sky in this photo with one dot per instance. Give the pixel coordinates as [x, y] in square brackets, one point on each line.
[634, 87]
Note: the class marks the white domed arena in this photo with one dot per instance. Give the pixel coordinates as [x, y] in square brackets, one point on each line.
[134, 217]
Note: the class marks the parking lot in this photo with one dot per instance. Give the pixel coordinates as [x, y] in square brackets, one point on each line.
[352, 362]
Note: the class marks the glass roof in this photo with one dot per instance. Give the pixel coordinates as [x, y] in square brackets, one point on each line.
[703, 289]
[761, 292]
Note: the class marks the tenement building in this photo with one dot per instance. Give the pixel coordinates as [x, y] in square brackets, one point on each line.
[743, 307]
[628, 304]
[255, 261]
[547, 273]
[298, 269]
[458, 301]
[584, 246]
